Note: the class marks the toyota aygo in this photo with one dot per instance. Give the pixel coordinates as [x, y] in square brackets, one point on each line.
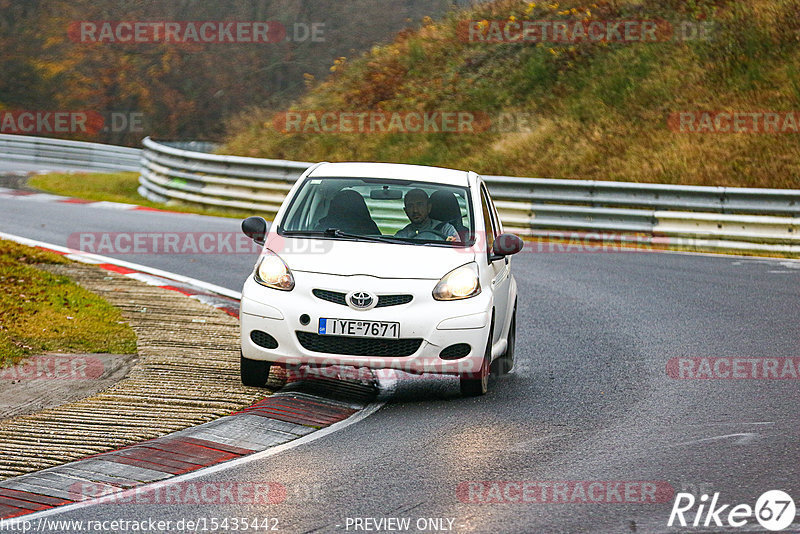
[383, 266]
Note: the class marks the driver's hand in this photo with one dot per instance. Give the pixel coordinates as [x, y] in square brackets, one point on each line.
[451, 238]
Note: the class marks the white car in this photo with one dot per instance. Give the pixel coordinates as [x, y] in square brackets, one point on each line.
[383, 266]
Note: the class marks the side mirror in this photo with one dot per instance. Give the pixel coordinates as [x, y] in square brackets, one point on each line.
[506, 245]
[255, 228]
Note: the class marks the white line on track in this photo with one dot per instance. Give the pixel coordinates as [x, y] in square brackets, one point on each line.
[744, 438]
[732, 424]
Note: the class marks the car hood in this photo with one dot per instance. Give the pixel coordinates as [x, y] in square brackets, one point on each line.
[382, 260]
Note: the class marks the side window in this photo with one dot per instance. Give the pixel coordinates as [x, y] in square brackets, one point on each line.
[498, 224]
[488, 220]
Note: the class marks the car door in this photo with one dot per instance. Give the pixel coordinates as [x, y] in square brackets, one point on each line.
[498, 269]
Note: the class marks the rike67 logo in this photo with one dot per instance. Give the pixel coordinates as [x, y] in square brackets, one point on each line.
[774, 510]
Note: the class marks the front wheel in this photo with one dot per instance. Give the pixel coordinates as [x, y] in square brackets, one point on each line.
[254, 372]
[472, 386]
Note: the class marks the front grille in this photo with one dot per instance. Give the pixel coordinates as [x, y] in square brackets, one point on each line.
[454, 352]
[393, 300]
[358, 346]
[262, 339]
[330, 296]
[338, 297]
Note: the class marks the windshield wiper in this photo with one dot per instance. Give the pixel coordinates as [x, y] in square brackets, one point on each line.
[335, 232]
[302, 232]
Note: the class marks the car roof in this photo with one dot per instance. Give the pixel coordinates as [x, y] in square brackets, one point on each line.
[392, 171]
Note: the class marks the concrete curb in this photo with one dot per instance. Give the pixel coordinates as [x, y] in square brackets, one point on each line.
[33, 196]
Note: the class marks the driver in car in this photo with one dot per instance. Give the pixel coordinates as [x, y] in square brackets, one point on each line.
[418, 209]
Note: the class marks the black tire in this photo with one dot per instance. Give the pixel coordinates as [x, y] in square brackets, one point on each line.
[505, 363]
[472, 386]
[254, 372]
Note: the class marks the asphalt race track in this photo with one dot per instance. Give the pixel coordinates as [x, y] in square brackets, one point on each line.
[589, 401]
[56, 222]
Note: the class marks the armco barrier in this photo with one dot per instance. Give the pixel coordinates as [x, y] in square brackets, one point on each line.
[169, 173]
[764, 220]
[62, 153]
[746, 219]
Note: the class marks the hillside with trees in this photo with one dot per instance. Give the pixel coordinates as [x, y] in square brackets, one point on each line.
[609, 109]
[186, 90]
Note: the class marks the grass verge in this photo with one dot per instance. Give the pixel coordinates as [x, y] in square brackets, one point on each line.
[41, 312]
[117, 187]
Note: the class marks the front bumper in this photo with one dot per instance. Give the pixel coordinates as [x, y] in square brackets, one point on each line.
[439, 324]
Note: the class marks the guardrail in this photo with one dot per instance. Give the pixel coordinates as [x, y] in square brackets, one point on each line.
[170, 173]
[64, 153]
[691, 216]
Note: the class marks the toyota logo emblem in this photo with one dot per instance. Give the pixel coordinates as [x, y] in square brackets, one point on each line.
[361, 300]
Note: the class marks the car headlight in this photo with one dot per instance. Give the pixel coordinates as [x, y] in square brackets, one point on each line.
[273, 272]
[460, 283]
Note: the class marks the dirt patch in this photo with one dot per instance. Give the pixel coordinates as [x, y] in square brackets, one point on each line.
[16, 180]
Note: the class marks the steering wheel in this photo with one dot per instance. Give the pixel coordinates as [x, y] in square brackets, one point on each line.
[435, 233]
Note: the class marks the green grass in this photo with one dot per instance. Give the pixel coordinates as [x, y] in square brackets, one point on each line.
[117, 187]
[600, 110]
[40, 311]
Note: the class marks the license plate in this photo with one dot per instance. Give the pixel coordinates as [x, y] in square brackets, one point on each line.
[347, 327]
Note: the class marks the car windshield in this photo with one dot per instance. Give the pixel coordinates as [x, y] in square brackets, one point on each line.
[396, 211]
